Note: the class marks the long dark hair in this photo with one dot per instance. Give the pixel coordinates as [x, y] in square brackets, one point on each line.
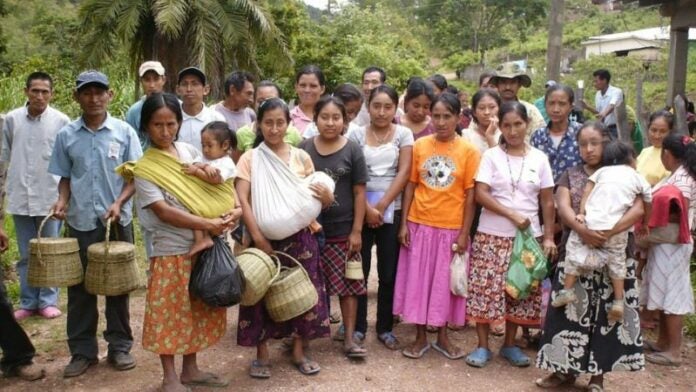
[482, 93]
[264, 107]
[155, 102]
[452, 104]
[684, 150]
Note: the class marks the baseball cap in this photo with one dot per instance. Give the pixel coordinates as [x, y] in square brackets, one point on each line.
[155, 66]
[91, 77]
[192, 71]
[550, 83]
[511, 70]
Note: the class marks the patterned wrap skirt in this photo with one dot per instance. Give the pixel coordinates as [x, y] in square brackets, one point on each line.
[578, 338]
[256, 326]
[334, 256]
[176, 323]
[422, 292]
[487, 301]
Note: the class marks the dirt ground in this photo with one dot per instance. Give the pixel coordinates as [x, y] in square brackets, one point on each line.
[383, 370]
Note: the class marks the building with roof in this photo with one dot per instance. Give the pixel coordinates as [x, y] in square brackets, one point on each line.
[645, 44]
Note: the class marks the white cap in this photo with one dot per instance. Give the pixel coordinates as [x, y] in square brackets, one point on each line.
[151, 66]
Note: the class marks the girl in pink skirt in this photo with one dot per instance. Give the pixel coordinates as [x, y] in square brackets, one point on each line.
[439, 198]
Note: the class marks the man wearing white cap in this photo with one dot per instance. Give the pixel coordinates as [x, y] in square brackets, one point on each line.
[152, 81]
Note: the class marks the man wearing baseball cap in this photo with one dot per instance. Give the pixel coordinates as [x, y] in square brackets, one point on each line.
[90, 194]
[192, 89]
[508, 80]
[152, 81]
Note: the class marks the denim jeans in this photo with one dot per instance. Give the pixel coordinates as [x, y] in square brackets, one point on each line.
[16, 347]
[26, 227]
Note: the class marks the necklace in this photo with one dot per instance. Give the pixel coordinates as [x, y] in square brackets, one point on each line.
[383, 139]
[515, 183]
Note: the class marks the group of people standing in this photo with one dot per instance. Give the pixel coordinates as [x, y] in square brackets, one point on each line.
[409, 179]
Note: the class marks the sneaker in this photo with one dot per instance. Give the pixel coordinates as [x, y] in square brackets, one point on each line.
[21, 314]
[120, 360]
[78, 365]
[616, 312]
[50, 312]
[563, 298]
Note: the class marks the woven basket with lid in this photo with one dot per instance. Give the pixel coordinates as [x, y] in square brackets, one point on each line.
[112, 268]
[291, 294]
[54, 262]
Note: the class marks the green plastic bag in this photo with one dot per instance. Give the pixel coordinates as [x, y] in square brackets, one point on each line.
[528, 265]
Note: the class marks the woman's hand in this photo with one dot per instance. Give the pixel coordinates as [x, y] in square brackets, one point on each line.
[373, 218]
[354, 242]
[262, 244]
[492, 126]
[219, 225]
[592, 238]
[549, 247]
[462, 243]
[522, 222]
[323, 194]
[234, 214]
[404, 238]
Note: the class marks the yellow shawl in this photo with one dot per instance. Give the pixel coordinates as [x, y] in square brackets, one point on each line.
[164, 170]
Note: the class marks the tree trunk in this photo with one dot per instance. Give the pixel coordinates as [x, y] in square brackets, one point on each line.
[555, 40]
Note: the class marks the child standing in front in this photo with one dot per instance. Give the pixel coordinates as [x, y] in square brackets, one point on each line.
[217, 167]
[609, 193]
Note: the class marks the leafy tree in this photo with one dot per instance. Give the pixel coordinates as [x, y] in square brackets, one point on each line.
[479, 25]
[214, 34]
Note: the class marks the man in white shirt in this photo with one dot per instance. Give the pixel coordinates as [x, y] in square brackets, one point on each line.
[606, 100]
[192, 90]
[239, 100]
[28, 135]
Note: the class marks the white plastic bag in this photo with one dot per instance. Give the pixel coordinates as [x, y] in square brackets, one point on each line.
[459, 275]
[281, 201]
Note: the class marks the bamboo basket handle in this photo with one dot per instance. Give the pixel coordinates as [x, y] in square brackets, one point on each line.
[304, 271]
[108, 234]
[38, 236]
[280, 266]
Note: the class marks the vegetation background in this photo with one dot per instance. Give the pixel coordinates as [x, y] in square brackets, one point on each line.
[272, 38]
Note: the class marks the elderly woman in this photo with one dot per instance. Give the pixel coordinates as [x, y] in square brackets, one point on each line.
[513, 184]
[255, 325]
[176, 323]
[597, 347]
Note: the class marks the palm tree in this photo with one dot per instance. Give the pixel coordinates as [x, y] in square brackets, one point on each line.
[216, 35]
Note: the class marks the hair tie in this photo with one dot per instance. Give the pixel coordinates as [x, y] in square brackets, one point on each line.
[686, 140]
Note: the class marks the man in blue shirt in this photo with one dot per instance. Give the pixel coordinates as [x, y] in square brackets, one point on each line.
[85, 154]
[152, 81]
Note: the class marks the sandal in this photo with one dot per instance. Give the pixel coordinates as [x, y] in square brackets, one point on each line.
[479, 357]
[335, 318]
[260, 370]
[355, 351]
[307, 367]
[458, 353]
[515, 356]
[661, 358]
[651, 346]
[409, 353]
[209, 380]
[595, 388]
[555, 380]
[389, 340]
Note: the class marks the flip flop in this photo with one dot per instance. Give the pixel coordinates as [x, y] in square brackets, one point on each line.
[209, 380]
[460, 354]
[355, 351]
[389, 340]
[595, 388]
[408, 353]
[259, 370]
[651, 346]
[661, 359]
[307, 367]
[555, 380]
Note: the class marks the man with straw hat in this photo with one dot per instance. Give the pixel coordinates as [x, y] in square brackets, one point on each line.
[90, 192]
[28, 135]
[508, 80]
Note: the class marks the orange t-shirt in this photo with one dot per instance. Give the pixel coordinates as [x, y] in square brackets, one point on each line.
[442, 172]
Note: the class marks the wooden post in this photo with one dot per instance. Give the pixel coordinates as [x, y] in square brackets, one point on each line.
[680, 125]
[676, 71]
[555, 40]
[623, 130]
[639, 108]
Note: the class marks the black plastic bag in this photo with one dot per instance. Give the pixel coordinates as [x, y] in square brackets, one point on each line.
[216, 277]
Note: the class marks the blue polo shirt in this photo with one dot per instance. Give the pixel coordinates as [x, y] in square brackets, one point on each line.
[133, 118]
[88, 159]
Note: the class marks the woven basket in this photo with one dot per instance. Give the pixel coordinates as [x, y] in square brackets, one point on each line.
[291, 294]
[259, 270]
[54, 262]
[111, 268]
